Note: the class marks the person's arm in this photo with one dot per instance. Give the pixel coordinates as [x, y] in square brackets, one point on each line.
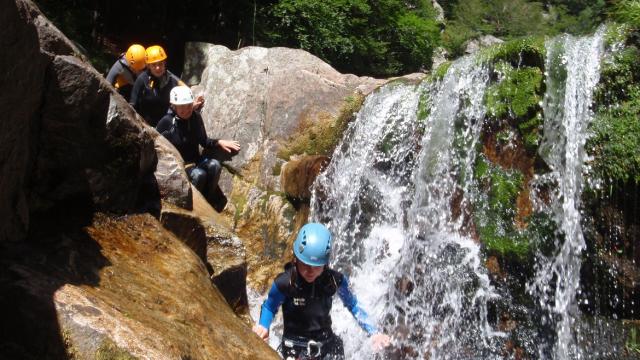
[115, 70]
[268, 311]
[138, 86]
[351, 303]
[165, 124]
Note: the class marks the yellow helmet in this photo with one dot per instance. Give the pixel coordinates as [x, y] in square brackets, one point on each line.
[136, 57]
[155, 54]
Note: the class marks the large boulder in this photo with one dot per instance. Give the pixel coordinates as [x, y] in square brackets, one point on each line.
[120, 288]
[261, 96]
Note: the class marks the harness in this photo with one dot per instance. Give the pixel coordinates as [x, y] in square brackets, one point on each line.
[307, 349]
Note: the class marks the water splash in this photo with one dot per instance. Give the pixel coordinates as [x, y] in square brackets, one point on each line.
[572, 73]
[416, 271]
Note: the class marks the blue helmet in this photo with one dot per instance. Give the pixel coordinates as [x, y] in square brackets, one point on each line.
[313, 244]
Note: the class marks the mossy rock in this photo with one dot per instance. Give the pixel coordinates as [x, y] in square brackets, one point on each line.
[440, 72]
[517, 94]
[494, 212]
[528, 51]
[110, 351]
[615, 128]
[322, 136]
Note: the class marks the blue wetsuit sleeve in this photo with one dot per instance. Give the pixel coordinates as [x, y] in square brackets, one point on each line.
[270, 306]
[351, 302]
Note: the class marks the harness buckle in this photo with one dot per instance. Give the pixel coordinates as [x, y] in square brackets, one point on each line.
[314, 348]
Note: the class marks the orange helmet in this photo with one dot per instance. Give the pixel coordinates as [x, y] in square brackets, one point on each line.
[155, 54]
[136, 57]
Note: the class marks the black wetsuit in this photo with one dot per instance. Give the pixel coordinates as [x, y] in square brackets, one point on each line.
[306, 309]
[150, 95]
[122, 77]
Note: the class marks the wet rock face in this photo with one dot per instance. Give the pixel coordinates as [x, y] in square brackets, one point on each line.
[298, 176]
[118, 286]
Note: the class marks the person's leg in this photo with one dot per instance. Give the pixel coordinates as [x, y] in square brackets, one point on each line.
[213, 169]
[215, 196]
[198, 178]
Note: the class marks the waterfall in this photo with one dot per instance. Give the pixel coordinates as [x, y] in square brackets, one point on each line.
[572, 72]
[387, 198]
[399, 195]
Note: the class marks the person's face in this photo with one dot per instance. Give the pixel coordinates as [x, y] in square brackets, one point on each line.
[157, 68]
[309, 273]
[184, 111]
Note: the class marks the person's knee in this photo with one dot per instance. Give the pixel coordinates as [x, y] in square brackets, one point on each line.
[198, 178]
[213, 167]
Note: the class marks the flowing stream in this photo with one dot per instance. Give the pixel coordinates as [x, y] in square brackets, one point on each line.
[398, 195]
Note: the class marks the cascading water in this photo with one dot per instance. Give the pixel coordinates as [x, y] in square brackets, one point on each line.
[573, 66]
[407, 255]
[399, 194]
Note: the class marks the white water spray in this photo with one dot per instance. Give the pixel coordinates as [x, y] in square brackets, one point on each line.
[573, 70]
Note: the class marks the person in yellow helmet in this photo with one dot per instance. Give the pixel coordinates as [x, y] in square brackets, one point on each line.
[150, 94]
[126, 69]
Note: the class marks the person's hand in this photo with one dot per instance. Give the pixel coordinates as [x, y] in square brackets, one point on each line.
[380, 341]
[261, 331]
[198, 103]
[229, 145]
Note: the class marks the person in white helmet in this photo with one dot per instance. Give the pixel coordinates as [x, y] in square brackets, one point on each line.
[184, 128]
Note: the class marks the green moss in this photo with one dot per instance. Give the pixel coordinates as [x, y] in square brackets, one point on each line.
[240, 201]
[529, 51]
[423, 107]
[615, 128]
[518, 93]
[632, 345]
[110, 351]
[530, 131]
[504, 245]
[616, 142]
[277, 169]
[321, 137]
[440, 72]
[494, 210]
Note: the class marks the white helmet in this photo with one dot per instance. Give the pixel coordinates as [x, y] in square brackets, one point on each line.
[181, 95]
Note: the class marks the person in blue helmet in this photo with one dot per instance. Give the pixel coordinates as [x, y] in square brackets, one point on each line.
[305, 291]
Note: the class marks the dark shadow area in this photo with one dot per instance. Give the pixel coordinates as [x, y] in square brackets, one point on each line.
[58, 251]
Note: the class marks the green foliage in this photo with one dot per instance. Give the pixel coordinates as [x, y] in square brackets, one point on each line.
[616, 128]
[627, 11]
[383, 38]
[506, 19]
[575, 17]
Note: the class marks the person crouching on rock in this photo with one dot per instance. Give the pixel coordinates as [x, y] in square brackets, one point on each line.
[305, 290]
[184, 128]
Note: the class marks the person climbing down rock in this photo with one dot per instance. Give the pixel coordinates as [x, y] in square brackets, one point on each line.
[184, 128]
[126, 69]
[150, 94]
[305, 290]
